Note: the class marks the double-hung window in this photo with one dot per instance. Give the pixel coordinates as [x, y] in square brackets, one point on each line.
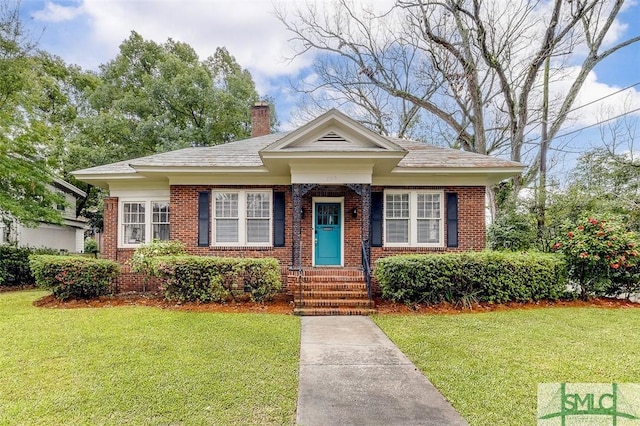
[160, 220]
[429, 218]
[242, 218]
[413, 218]
[144, 221]
[133, 222]
[397, 218]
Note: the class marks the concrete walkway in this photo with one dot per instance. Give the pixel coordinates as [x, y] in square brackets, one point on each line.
[352, 374]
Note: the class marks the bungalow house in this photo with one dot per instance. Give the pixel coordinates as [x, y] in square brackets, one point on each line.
[327, 200]
[67, 236]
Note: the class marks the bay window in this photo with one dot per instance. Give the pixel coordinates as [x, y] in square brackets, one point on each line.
[242, 218]
[413, 218]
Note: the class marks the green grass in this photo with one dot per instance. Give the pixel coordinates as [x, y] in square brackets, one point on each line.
[139, 365]
[488, 365]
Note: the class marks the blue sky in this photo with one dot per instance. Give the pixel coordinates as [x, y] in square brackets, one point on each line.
[88, 33]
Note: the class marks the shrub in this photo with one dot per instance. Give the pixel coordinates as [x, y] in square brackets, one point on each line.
[74, 277]
[141, 259]
[91, 245]
[512, 231]
[207, 279]
[601, 256]
[463, 278]
[14, 264]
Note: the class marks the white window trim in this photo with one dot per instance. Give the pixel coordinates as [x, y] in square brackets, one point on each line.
[148, 215]
[413, 218]
[242, 217]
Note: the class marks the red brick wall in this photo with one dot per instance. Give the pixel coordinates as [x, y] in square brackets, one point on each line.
[184, 224]
[471, 224]
[260, 120]
[352, 226]
[110, 232]
[184, 227]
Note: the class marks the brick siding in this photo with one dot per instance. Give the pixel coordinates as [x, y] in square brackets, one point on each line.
[184, 227]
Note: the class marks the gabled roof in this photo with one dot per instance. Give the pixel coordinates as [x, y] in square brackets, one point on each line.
[331, 143]
[332, 132]
[69, 188]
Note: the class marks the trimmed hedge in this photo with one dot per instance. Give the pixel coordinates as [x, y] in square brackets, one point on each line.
[14, 264]
[73, 276]
[496, 277]
[212, 279]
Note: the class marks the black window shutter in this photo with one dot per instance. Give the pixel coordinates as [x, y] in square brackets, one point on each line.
[452, 219]
[204, 223]
[278, 219]
[376, 219]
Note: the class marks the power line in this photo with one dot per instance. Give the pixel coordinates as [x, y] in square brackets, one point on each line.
[590, 103]
[597, 124]
[604, 97]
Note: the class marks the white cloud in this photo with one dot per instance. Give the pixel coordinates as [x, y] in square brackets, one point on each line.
[57, 13]
[596, 101]
[247, 29]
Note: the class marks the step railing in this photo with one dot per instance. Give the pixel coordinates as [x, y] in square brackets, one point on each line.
[366, 269]
[300, 277]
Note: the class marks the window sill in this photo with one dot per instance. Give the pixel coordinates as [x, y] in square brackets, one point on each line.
[414, 248]
[255, 248]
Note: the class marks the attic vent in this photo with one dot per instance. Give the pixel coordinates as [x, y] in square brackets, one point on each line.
[332, 137]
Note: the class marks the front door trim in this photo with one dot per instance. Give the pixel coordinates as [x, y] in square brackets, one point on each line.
[338, 200]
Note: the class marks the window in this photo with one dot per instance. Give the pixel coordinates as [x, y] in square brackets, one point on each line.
[258, 217]
[397, 213]
[160, 220]
[428, 218]
[413, 218]
[242, 218]
[5, 233]
[144, 221]
[133, 220]
[61, 207]
[226, 217]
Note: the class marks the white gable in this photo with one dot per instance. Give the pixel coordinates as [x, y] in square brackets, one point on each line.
[333, 132]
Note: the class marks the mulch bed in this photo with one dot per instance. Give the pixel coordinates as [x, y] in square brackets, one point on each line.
[283, 304]
[4, 289]
[386, 307]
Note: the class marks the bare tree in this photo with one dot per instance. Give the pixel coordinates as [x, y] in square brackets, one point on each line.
[474, 67]
[334, 87]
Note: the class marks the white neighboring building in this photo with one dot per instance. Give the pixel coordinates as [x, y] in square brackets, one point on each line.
[68, 236]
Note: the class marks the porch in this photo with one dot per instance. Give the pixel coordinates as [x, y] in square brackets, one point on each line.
[331, 271]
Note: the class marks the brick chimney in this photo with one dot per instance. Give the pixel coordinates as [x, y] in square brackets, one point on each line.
[260, 120]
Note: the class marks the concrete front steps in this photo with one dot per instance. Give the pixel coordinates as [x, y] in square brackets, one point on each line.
[331, 291]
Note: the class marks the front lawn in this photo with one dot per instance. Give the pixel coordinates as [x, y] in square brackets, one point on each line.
[488, 365]
[139, 365]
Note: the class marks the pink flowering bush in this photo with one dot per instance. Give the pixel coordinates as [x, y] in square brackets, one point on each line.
[601, 256]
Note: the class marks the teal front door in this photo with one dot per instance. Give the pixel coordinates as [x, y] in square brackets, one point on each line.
[328, 234]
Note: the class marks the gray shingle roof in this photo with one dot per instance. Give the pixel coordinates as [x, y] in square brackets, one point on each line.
[242, 153]
[246, 153]
[422, 155]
